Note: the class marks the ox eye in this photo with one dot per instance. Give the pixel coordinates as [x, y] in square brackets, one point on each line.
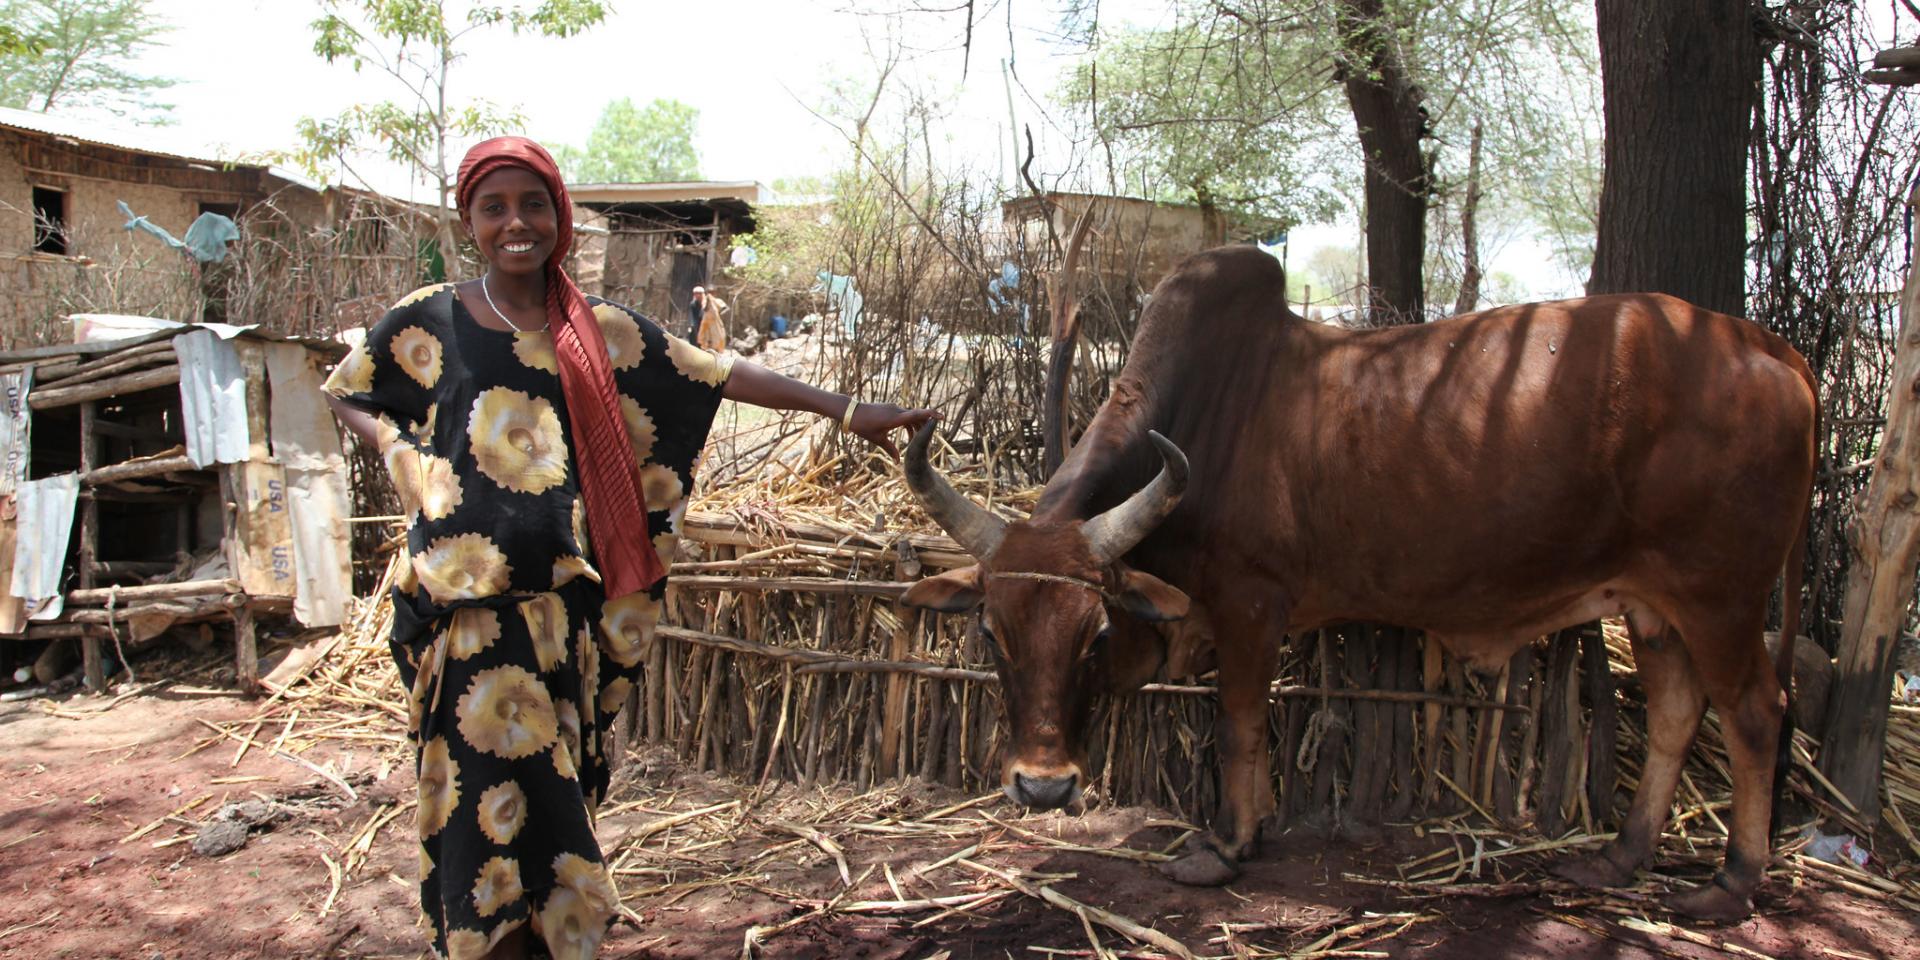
[986, 633]
[1098, 646]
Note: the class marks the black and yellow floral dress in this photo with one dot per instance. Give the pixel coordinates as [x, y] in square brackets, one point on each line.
[516, 662]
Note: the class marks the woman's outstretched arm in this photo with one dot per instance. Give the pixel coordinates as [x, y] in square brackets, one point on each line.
[874, 422]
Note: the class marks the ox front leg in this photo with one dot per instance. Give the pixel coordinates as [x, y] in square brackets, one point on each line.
[1248, 653]
[1675, 701]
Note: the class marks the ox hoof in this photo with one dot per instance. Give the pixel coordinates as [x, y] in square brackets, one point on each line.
[1712, 903]
[1593, 871]
[1202, 866]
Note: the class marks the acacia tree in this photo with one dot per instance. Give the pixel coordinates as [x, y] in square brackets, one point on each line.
[632, 144]
[1195, 114]
[76, 53]
[416, 43]
[1681, 79]
[1257, 113]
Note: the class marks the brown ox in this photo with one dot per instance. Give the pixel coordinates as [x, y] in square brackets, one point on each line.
[1488, 479]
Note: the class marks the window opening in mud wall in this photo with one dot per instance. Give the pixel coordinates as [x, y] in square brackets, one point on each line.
[50, 220]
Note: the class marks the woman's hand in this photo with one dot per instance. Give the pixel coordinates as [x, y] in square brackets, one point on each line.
[873, 422]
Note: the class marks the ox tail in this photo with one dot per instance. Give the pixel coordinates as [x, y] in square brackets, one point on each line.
[1790, 611]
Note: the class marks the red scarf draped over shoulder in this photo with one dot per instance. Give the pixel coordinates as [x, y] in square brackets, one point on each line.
[609, 473]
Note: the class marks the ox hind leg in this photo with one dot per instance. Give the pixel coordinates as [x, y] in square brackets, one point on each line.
[1675, 702]
[1248, 650]
[1740, 682]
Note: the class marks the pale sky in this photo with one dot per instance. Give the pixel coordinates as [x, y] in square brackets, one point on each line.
[753, 68]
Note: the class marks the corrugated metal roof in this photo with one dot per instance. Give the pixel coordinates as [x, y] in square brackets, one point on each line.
[154, 141]
[747, 190]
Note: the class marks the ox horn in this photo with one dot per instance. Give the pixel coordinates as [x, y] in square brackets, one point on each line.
[977, 531]
[1120, 529]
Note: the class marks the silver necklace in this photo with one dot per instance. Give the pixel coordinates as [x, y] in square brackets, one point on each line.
[496, 309]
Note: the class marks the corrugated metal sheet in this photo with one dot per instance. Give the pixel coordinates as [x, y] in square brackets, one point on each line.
[213, 398]
[40, 547]
[304, 432]
[322, 552]
[307, 439]
[157, 143]
[15, 428]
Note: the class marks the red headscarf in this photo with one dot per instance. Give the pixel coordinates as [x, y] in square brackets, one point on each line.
[609, 473]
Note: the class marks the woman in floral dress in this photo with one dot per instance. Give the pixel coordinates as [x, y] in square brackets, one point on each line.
[542, 444]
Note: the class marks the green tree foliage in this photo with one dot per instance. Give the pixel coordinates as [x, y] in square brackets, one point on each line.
[631, 144]
[1238, 104]
[1191, 115]
[77, 53]
[417, 43]
[13, 40]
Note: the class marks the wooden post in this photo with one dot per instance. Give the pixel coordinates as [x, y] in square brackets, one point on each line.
[1885, 543]
[91, 655]
[1433, 670]
[894, 716]
[246, 656]
[1602, 772]
[1406, 790]
[1560, 733]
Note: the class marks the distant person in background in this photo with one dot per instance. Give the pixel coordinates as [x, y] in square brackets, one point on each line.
[777, 327]
[709, 324]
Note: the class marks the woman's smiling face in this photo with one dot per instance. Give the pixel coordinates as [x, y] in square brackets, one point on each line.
[511, 219]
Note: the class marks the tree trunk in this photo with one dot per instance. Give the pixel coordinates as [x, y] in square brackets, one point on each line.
[1680, 80]
[1469, 297]
[1386, 108]
[1885, 540]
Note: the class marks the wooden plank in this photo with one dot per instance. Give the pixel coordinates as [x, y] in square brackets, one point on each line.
[246, 653]
[136, 469]
[71, 373]
[1885, 534]
[1898, 57]
[101, 569]
[89, 541]
[933, 551]
[1560, 733]
[823, 585]
[1361, 642]
[93, 659]
[154, 591]
[1602, 763]
[94, 348]
[894, 711]
[13, 610]
[262, 532]
[1506, 775]
[1332, 749]
[1408, 789]
[51, 631]
[1433, 668]
[101, 389]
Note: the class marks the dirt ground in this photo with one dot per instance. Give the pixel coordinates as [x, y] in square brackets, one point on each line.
[100, 799]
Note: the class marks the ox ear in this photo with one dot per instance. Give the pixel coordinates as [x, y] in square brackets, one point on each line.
[1149, 597]
[956, 591]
